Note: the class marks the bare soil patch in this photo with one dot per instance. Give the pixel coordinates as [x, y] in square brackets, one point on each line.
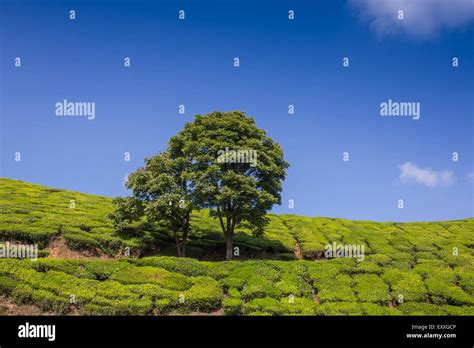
[58, 249]
[8, 307]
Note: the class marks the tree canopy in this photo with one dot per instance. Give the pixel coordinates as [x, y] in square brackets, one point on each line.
[235, 169]
[161, 194]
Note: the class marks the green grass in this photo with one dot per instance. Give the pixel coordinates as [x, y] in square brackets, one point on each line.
[409, 268]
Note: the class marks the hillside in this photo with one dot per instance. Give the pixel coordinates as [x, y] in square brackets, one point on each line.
[408, 268]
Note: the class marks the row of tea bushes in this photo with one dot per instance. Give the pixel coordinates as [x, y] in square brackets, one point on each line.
[163, 285]
[37, 214]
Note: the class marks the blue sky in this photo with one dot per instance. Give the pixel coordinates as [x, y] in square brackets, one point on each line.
[282, 62]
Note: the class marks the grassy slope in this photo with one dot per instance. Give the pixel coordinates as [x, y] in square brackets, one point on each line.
[414, 260]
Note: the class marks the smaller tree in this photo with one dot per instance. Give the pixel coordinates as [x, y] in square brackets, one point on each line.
[161, 194]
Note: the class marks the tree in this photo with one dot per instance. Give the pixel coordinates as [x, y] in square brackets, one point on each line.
[162, 194]
[235, 169]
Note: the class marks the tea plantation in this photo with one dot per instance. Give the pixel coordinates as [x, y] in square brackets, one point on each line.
[408, 268]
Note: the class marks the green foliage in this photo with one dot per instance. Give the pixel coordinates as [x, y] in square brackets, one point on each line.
[374, 309]
[152, 275]
[369, 267]
[162, 194]
[337, 288]
[415, 260]
[100, 270]
[336, 293]
[232, 306]
[420, 308]
[288, 257]
[145, 287]
[257, 287]
[233, 292]
[238, 194]
[7, 285]
[204, 296]
[106, 306]
[233, 282]
[407, 284]
[458, 310]
[283, 306]
[339, 308]
[443, 292]
[370, 288]
[266, 305]
[290, 284]
[258, 314]
[466, 278]
[47, 301]
[186, 266]
[36, 214]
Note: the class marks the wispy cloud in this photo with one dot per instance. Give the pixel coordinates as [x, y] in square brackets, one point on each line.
[410, 172]
[422, 18]
[470, 176]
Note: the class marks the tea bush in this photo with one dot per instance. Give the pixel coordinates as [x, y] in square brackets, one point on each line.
[430, 264]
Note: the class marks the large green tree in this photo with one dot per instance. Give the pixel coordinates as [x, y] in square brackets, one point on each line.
[161, 194]
[235, 169]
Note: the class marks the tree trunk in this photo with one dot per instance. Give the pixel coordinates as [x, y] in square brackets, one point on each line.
[178, 246]
[228, 243]
[185, 236]
[183, 247]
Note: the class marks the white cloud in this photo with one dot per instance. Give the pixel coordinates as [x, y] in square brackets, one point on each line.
[471, 176]
[422, 18]
[410, 172]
